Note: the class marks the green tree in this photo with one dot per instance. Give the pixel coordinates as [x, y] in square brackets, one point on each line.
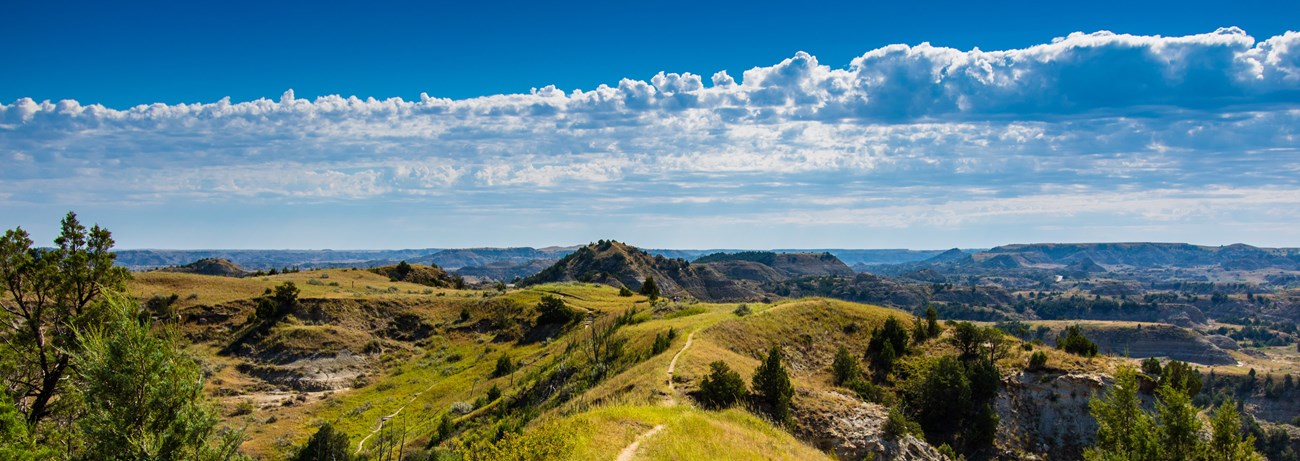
[649, 288]
[143, 398]
[884, 361]
[891, 332]
[772, 384]
[722, 388]
[1226, 442]
[402, 270]
[982, 343]
[274, 304]
[1073, 341]
[845, 367]
[940, 394]
[1181, 376]
[1151, 366]
[1180, 428]
[327, 444]
[46, 299]
[554, 311]
[932, 327]
[504, 366]
[16, 443]
[1124, 431]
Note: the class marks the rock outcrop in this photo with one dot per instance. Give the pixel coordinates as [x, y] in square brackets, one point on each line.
[1046, 414]
[854, 430]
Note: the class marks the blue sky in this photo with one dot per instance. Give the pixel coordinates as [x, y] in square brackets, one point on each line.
[690, 125]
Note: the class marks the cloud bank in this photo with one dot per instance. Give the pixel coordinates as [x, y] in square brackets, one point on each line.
[1111, 128]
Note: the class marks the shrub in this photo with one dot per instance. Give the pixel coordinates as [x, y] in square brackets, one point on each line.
[493, 393]
[245, 407]
[897, 425]
[555, 312]
[1073, 341]
[504, 366]
[325, 444]
[624, 292]
[722, 388]
[742, 310]
[462, 407]
[1038, 361]
[662, 342]
[464, 314]
[868, 391]
[446, 426]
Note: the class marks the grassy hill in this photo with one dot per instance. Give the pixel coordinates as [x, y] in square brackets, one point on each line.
[387, 362]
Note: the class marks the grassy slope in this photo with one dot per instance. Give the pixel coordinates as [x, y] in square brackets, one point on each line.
[688, 434]
[425, 378]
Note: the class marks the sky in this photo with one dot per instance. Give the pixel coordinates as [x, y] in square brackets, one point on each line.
[664, 124]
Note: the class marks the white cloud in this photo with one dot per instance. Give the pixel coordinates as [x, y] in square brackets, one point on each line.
[1121, 116]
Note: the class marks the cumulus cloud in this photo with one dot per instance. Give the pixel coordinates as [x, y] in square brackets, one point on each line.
[1100, 112]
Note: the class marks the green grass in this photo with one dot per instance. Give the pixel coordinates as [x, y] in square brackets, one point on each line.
[688, 434]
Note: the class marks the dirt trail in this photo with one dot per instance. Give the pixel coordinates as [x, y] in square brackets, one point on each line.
[630, 450]
[362, 444]
[672, 367]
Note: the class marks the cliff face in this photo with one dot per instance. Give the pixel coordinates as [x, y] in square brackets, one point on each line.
[1047, 414]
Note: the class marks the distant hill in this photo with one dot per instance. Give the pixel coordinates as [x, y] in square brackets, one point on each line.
[420, 274]
[210, 266]
[1145, 254]
[479, 257]
[506, 271]
[617, 264]
[267, 259]
[783, 265]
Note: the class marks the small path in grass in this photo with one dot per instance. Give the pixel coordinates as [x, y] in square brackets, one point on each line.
[672, 367]
[362, 444]
[630, 450]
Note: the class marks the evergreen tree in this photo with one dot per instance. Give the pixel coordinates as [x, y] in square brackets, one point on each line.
[932, 327]
[772, 383]
[722, 388]
[1226, 442]
[884, 363]
[1181, 376]
[1180, 428]
[327, 444]
[649, 288]
[940, 395]
[16, 443]
[1124, 431]
[845, 367]
[47, 298]
[1073, 341]
[555, 312]
[143, 397]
